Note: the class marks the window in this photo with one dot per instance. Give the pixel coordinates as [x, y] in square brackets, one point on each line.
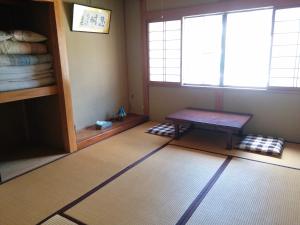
[231, 49]
[165, 51]
[285, 63]
[201, 50]
[247, 48]
[254, 49]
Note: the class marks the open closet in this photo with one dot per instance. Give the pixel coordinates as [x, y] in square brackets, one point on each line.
[37, 121]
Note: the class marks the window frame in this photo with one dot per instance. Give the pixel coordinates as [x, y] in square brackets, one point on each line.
[222, 51]
[270, 56]
[163, 83]
[278, 88]
[222, 56]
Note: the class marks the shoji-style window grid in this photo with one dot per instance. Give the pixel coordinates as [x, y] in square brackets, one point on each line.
[164, 51]
[285, 61]
[223, 58]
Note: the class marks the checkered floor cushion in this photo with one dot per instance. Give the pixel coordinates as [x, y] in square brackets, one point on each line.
[167, 129]
[260, 144]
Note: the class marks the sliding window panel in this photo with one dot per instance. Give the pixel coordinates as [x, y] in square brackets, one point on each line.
[285, 63]
[173, 51]
[164, 50]
[201, 50]
[156, 38]
[247, 48]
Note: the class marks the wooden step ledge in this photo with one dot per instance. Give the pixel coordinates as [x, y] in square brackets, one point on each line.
[90, 135]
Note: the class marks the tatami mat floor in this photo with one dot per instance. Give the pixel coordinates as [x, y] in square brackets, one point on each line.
[59, 220]
[215, 142]
[251, 193]
[33, 197]
[25, 161]
[158, 191]
[136, 178]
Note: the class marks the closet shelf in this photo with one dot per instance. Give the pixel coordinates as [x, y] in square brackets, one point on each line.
[12, 96]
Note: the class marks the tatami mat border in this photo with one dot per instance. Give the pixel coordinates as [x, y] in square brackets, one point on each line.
[194, 205]
[72, 219]
[38, 167]
[234, 156]
[188, 213]
[81, 198]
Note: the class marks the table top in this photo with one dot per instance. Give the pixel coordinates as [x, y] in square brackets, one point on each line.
[211, 117]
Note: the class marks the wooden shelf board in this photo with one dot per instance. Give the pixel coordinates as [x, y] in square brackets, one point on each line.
[90, 135]
[11, 96]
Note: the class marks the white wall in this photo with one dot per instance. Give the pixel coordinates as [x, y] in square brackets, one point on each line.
[134, 53]
[164, 101]
[274, 113]
[97, 66]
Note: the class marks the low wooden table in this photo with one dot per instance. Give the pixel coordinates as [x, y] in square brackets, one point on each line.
[224, 121]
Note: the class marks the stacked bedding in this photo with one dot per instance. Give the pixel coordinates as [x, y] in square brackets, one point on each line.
[24, 61]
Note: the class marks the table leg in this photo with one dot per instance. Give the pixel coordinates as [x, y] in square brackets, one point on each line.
[229, 141]
[176, 126]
